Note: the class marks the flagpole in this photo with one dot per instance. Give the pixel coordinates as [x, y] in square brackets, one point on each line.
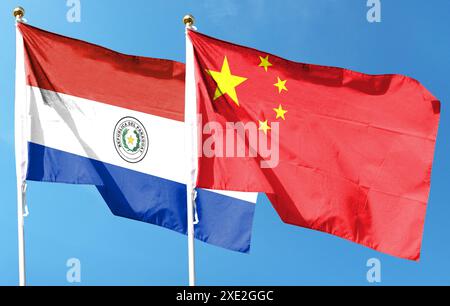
[190, 145]
[20, 143]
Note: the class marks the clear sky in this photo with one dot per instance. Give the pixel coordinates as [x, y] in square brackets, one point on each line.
[66, 221]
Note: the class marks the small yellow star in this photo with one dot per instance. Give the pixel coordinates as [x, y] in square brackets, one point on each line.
[265, 62]
[226, 82]
[264, 126]
[281, 85]
[130, 140]
[280, 112]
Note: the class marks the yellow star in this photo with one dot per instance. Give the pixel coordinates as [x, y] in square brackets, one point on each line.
[265, 62]
[281, 85]
[130, 140]
[264, 126]
[226, 82]
[280, 112]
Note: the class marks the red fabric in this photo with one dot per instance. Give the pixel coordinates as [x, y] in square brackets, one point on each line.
[88, 71]
[356, 150]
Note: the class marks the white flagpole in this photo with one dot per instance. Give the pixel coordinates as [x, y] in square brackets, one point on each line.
[21, 149]
[190, 145]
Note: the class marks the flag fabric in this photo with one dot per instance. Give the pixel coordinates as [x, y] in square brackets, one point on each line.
[98, 117]
[355, 151]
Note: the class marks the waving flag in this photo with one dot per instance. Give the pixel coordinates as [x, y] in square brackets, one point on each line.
[94, 116]
[352, 153]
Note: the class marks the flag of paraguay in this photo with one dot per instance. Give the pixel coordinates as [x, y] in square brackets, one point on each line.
[94, 116]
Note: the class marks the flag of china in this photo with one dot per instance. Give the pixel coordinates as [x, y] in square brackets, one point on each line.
[355, 151]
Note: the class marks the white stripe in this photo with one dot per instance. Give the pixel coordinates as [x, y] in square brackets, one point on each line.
[85, 128]
[245, 196]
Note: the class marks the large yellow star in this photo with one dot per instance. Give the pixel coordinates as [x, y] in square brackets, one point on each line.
[280, 112]
[265, 62]
[226, 82]
[264, 126]
[281, 85]
[130, 140]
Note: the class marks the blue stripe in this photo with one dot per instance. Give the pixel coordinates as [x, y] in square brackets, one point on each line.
[223, 221]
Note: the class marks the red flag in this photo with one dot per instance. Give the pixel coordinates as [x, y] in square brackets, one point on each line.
[355, 151]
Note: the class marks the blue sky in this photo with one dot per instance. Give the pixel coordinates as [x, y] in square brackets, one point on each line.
[73, 221]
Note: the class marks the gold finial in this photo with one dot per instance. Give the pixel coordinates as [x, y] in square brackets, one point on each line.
[19, 12]
[189, 20]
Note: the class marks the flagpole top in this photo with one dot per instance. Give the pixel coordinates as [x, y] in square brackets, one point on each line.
[19, 13]
[189, 20]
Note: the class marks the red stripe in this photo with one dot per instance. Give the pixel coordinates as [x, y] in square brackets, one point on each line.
[74, 67]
